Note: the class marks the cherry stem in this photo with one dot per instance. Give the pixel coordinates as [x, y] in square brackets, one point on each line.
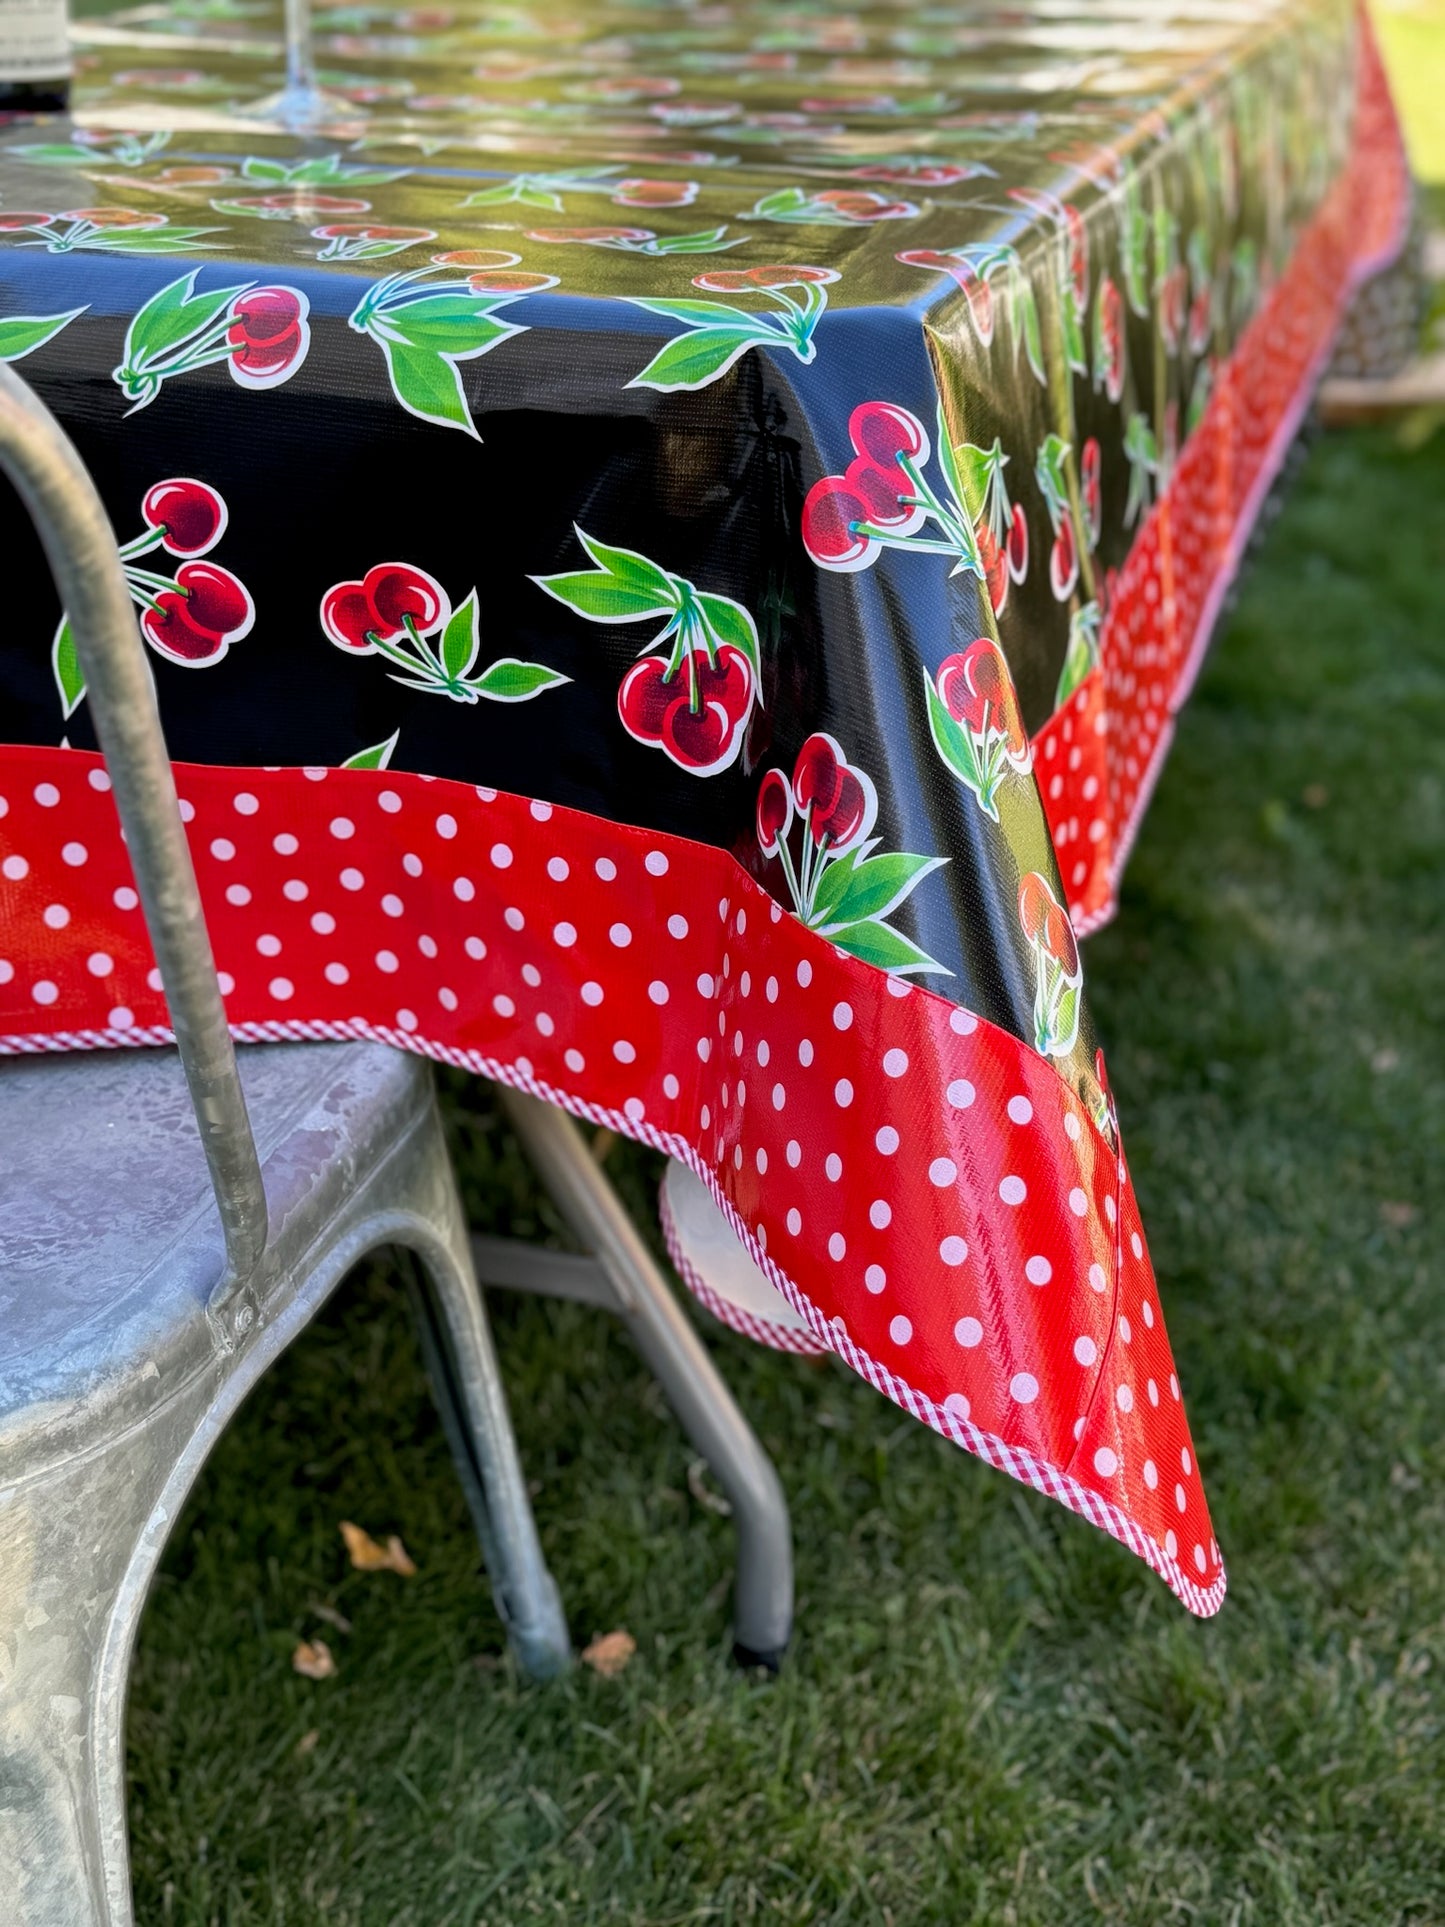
[134, 574]
[423, 649]
[788, 871]
[143, 543]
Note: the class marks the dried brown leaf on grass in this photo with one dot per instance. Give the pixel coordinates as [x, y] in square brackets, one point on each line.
[367, 1556]
[312, 1660]
[609, 1653]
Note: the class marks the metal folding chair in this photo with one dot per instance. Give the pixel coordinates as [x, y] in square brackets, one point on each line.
[133, 1323]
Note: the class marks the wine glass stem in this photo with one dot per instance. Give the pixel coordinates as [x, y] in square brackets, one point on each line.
[300, 59]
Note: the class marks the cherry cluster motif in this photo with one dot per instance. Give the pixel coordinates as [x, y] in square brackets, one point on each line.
[1109, 339]
[829, 207]
[260, 334]
[694, 687]
[981, 270]
[718, 332]
[402, 613]
[1058, 975]
[190, 618]
[975, 721]
[638, 240]
[1051, 473]
[817, 826]
[366, 240]
[883, 498]
[105, 230]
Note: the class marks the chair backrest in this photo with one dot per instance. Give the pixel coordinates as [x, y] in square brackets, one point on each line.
[80, 546]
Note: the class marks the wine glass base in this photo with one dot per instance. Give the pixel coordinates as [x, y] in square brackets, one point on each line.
[300, 109]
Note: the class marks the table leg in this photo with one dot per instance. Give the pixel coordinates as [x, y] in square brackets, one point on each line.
[639, 1294]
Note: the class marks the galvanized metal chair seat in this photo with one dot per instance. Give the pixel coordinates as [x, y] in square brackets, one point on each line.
[168, 1223]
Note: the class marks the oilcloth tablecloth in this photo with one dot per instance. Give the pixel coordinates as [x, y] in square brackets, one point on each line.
[670, 540]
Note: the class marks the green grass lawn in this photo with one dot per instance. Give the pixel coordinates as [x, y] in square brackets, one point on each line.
[991, 1713]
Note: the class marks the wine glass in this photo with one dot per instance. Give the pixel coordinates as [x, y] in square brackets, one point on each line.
[300, 106]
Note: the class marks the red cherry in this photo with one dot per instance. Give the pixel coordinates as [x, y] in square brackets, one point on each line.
[1091, 471]
[264, 314]
[170, 629]
[1201, 320]
[850, 816]
[980, 307]
[701, 740]
[397, 590]
[1078, 255]
[977, 691]
[1016, 547]
[729, 681]
[818, 774]
[1059, 940]
[881, 432]
[774, 811]
[1109, 339]
[1064, 560]
[645, 696]
[348, 618]
[995, 567]
[189, 516]
[832, 506]
[882, 491]
[1035, 902]
[12, 221]
[215, 599]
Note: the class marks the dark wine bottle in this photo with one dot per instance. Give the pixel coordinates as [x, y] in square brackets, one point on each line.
[34, 57]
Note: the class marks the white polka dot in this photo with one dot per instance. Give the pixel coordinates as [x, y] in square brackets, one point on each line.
[407, 1020]
[1013, 1190]
[1153, 1391]
[574, 1060]
[968, 1332]
[1151, 1474]
[1110, 1209]
[763, 1052]
[1173, 1386]
[389, 801]
[268, 945]
[1020, 1110]
[1146, 1312]
[843, 1093]
[44, 992]
[880, 1214]
[222, 849]
[323, 923]
[125, 898]
[677, 927]
[875, 1278]
[557, 869]
[1136, 1244]
[805, 973]
[624, 1052]
[1171, 1545]
[447, 825]
[895, 1063]
[342, 828]
[1124, 1398]
[98, 780]
[564, 934]
[900, 1329]
[14, 868]
[1078, 1203]
[1085, 1350]
[837, 1246]
[953, 1250]
[704, 1048]
[634, 1109]
[503, 1005]
[121, 1018]
[770, 990]
[514, 919]
[238, 894]
[942, 1171]
[99, 964]
[605, 868]
[961, 1093]
[351, 880]
[1126, 1330]
[833, 1167]
[805, 1051]
[1106, 1463]
[655, 863]
[1181, 1498]
[244, 803]
[842, 1016]
[541, 813]
[1186, 1461]
[336, 973]
[47, 795]
[794, 1153]
[1097, 1280]
[55, 916]
[1072, 1126]
[475, 949]
[670, 1085]
[619, 935]
[592, 994]
[387, 960]
[1024, 1388]
[962, 1022]
[1199, 1558]
[705, 985]
[795, 1221]
[501, 856]
[294, 890]
[1038, 1271]
[281, 988]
